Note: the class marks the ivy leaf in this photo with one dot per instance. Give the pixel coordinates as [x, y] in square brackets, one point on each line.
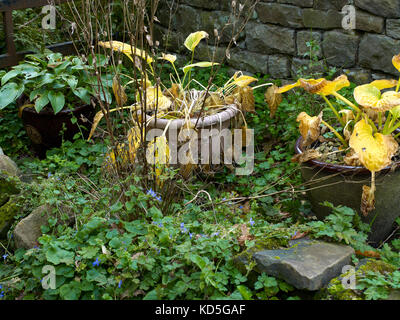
[70, 291]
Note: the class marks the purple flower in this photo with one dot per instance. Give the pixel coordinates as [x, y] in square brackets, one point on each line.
[5, 256]
[154, 195]
[252, 222]
[120, 283]
[96, 263]
[190, 235]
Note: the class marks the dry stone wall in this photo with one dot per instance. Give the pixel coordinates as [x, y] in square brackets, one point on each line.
[275, 39]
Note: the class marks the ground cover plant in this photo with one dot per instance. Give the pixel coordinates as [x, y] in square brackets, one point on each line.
[150, 232]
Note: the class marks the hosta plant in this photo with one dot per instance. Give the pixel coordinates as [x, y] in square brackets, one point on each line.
[366, 127]
[176, 101]
[51, 81]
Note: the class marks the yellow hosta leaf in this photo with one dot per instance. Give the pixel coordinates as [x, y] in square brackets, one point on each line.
[154, 99]
[347, 115]
[243, 81]
[169, 57]
[99, 115]
[309, 127]
[369, 96]
[194, 39]
[134, 141]
[158, 154]
[319, 86]
[374, 151]
[203, 64]
[396, 62]
[273, 99]
[126, 49]
[119, 92]
[248, 102]
[384, 84]
[158, 151]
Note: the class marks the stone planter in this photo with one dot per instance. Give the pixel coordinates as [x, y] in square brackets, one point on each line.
[342, 185]
[220, 121]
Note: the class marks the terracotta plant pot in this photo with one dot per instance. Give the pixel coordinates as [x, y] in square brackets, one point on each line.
[219, 121]
[342, 185]
[45, 128]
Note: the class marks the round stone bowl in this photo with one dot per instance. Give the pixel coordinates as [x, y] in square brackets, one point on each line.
[342, 185]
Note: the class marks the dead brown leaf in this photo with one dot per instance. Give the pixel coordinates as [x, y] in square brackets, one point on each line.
[244, 235]
[306, 156]
[273, 99]
[367, 200]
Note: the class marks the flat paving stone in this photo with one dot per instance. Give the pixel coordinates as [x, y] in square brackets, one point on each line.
[306, 264]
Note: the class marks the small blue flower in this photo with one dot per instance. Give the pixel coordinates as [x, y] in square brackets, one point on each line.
[5, 256]
[252, 222]
[223, 199]
[182, 225]
[153, 194]
[96, 263]
[1, 294]
[190, 235]
[120, 284]
[215, 234]
[241, 207]
[49, 175]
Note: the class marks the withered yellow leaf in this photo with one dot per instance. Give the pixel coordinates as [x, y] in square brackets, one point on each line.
[243, 81]
[273, 99]
[307, 155]
[374, 152]
[369, 96]
[126, 49]
[309, 127]
[119, 92]
[319, 86]
[396, 62]
[367, 200]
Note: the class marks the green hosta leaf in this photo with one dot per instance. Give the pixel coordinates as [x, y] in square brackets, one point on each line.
[194, 39]
[8, 76]
[41, 102]
[203, 64]
[71, 80]
[57, 100]
[9, 93]
[83, 94]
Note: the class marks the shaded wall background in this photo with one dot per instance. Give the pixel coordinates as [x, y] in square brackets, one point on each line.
[275, 40]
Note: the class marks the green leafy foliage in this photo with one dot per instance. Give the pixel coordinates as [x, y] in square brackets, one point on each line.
[51, 79]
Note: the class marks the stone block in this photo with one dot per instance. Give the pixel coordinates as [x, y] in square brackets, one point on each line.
[318, 19]
[248, 61]
[383, 8]
[279, 67]
[282, 14]
[393, 28]
[304, 37]
[340, 49]
[266, 39]
[376, 52]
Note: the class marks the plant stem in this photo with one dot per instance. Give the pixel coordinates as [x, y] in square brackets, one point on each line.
[388, 124]
[337, 134]
[349, 103]
[379, 120]
[398, 86]
[334, 111]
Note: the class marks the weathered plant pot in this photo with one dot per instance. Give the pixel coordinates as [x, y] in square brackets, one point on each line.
[342, 185]
[220, 121]
[45, 128]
